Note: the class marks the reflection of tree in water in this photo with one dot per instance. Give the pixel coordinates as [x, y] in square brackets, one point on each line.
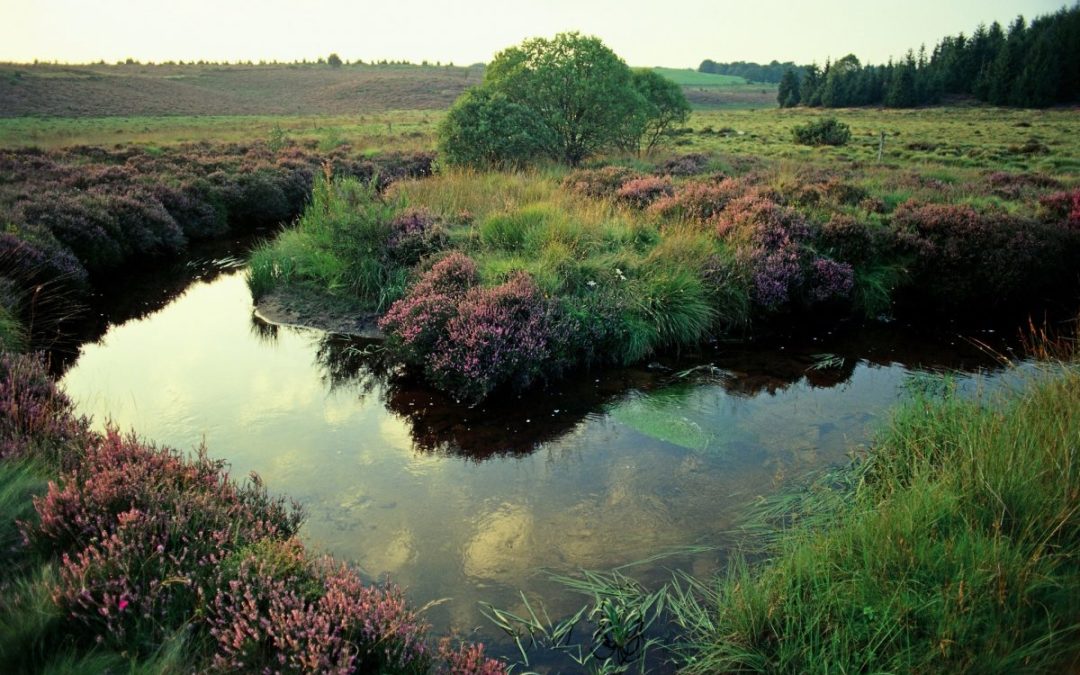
[517, 424]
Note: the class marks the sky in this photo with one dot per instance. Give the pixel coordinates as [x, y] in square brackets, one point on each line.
[675, 33]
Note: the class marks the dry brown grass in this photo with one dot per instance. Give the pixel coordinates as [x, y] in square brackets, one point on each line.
[92, 91]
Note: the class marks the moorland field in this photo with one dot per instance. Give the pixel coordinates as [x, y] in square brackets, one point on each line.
[951, 547]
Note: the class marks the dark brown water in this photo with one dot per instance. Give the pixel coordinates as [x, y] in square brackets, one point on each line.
[471, 505]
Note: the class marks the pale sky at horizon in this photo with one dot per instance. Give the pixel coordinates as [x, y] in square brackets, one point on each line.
[678, 33]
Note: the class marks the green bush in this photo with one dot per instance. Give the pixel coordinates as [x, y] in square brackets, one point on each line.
[486, 129]
[826, 131]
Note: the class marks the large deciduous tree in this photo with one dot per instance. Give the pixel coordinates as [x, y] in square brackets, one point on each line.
[565, 98]
[580, 90]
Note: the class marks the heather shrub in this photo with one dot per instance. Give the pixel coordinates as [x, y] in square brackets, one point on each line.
[142, 532]
[761, 221]
[33, 257]
[467, 659]
[118, 474]
[697, 201]
[1015, 185]
[141, 225]
[640, 192]
[1063, 208]
[498, 337]
[415, 233]
[598, 183]
[830, 280]
[843, 237]
[281, 612]
[684, 165]
[960, 255]
[772, 244]
[78, 220]
[37, 420]
[832, 191]
[826, 131]
[417, 323]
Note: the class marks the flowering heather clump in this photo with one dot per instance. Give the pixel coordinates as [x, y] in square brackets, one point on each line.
[775, 274]
[144, 528]
[498, 336]
[762, 221]
[770, 241]
[640, 192]
[846, 238]
[36, 418]
[598, 183]
[830, 280]
[414, 234]
[322, 619]
[686, 165]
[1063, 207]
[698, 201]
[963, 255]
[467, 659]
[35, 257]
[1014, 185]
[417, 322]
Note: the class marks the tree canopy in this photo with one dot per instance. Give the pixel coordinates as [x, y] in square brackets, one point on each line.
[572, 96]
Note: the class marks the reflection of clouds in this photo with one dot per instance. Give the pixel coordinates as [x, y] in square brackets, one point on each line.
[502, 546]
[395, 432]
[389, 557]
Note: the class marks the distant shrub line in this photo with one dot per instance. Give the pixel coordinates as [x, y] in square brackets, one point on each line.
[145, 547]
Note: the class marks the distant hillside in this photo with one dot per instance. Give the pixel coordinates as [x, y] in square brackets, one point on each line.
[692, 78]
[128, 90]
[754, 72]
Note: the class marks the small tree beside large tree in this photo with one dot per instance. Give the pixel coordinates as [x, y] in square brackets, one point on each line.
[570, 96]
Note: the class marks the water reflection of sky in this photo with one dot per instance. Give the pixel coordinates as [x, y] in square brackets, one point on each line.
[597, 474]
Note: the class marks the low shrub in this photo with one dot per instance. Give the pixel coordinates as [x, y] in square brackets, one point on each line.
[415, 233]
[37, 420]
[311, 617]
[962, 256]
[684, 165]
[1063, 208]
[416, 324]
[640, 192]
[826, 131]
[498, 336]
[698, 201]
[598, 183]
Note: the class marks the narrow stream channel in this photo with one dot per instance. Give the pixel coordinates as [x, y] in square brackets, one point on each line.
[473, 505]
